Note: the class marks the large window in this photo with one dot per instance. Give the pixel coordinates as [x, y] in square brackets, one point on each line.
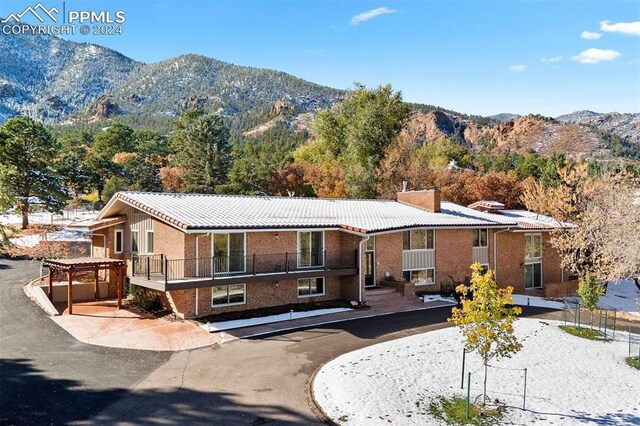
[310, 248]
[227, 295]
[532, 261]
[134, 241]
[418, 239]
[228, 252]
[421, 276]
[310, 287]
[481, 237]
[118, 237]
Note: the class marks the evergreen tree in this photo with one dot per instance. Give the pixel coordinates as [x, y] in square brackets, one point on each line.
[203, 152]
[27, 153]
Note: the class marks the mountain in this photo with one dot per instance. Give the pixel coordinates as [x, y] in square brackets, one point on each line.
[626, 126]
[56, 80]
[504, 116]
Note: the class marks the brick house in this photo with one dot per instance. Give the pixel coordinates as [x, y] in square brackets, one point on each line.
[215, 253]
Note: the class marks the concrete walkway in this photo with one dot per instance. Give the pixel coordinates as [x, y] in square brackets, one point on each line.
[102, 324]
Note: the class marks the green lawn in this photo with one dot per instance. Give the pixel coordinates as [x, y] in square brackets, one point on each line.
[585, 333]
[454, 412]
[633, 361]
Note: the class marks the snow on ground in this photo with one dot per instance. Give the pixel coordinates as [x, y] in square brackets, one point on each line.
[438, 298]
[621, 295]
[570, 380]
[524, 300]
[228, 325]
[47, 218]
[58, 236]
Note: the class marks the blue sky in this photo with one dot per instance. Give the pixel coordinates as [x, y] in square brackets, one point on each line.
[473, 56]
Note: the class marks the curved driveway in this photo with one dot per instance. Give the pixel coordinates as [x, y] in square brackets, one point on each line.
[49, 377]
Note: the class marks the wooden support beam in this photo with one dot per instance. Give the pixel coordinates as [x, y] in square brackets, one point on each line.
[51, 284]
[120, 278]
[96, 292]
[70, 292]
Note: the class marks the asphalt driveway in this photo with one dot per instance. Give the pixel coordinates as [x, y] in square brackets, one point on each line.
[47, 377]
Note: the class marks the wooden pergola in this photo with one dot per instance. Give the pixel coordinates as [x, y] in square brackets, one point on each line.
[85, 264]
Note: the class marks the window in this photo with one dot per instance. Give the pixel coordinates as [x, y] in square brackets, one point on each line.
[310, 248]
[371, 244]
[533, 261]
[310, 287]
[228, 252]
[533, 275]
[134, 241]
[532, 246]
[227, 295]
[118, 241]
[418, 239]
[149, 241]
[481, 237]
[421, 277]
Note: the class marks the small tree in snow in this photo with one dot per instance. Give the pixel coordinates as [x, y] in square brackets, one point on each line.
[590, 291]
[485, 320]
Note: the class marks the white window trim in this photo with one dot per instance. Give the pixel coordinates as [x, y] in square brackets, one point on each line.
[222, 305]
[299, 251]
[481, 229]
[115, 241]
[304, 296]
[146, 241]
[136, 232]
[423, 249]
[529, 260]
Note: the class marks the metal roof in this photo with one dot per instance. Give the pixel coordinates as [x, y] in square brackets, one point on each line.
[209, 212]
[530, 220]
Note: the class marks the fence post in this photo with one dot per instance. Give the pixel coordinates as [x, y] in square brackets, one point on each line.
[133, 265]
[524, 395]
[166, 270]
[606, 322]
[578, 315]
[148, 267]
[464, 354]
[468, 392]
[286, 262]
[615, 315]
[325, 259]
[629, 341]
[254, 264]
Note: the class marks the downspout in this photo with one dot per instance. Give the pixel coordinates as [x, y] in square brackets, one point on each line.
[495, 252]
[360, 274]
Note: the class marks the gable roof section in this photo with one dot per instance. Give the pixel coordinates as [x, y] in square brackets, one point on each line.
[200, 212]
[530, 220]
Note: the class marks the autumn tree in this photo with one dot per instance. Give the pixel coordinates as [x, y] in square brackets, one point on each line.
[203, 152]
[486, 319]
[603, 238]
[27, 154]
[351, 138]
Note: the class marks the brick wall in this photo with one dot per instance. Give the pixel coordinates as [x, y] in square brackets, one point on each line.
[427, 200]
[168, 240]
[453, 256]
[510, 267]
[258, 295]
[389, 255]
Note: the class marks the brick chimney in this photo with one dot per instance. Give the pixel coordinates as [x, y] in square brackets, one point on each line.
[428, 200]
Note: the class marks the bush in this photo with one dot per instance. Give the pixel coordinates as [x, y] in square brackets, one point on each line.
[146, 299]
[634, 362]
[585, 333]
[453, 411]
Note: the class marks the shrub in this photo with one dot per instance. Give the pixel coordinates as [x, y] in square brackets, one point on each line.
[146, 299]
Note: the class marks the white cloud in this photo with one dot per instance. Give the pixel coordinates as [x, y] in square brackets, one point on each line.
[365, 16]
[593, 56]
[517, 68]
[628, 28]
[551, 59]
[589, 35]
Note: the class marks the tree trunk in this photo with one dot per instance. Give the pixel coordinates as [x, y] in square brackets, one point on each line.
[484, 385]
[24, 209]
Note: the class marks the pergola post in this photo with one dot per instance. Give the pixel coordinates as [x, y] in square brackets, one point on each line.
[96, 292]
[51, 284]
[120, 278]
[70, 291]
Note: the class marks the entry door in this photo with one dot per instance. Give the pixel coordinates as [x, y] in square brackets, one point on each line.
[369, 269]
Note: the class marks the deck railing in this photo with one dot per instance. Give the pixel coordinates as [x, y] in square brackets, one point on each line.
[157, 266]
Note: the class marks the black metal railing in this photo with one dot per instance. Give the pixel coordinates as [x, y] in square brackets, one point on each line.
[159, 267]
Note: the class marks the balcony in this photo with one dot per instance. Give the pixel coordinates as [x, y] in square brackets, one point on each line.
[157, 272]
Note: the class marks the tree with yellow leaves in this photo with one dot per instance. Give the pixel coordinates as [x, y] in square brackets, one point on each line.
[486, 320]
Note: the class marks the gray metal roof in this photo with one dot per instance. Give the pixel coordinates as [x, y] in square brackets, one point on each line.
[210, 212]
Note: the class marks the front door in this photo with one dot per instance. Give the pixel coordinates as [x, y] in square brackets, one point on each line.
[369, 269]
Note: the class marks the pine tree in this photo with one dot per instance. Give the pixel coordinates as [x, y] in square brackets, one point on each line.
[27, 153]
